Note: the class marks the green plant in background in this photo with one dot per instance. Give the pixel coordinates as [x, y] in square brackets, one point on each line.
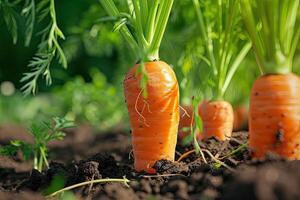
[276, 37]
[42, 135]
[225, 47]
[49, 48]
[19, 110]
[98, 102]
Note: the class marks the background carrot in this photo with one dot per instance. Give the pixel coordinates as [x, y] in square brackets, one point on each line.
[240, 121]
[217, 117]
[274, 118]
[224, 55]
[151, 88]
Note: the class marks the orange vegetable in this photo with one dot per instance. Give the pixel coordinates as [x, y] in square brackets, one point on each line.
[274, 122]
[186, 120]
[240, 118]
[217, 119]
[154, 119]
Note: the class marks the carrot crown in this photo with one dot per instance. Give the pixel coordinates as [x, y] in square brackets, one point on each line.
[272, 27]
[224, 46]
[143, 25]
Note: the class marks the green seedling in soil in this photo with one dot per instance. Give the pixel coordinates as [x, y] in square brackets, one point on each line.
[199, 125]
[239, 149]
[42, 135]
[56, 184]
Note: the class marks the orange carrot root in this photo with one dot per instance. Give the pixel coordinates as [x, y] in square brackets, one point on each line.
[217, 118]
[154, 119]
[274, 122]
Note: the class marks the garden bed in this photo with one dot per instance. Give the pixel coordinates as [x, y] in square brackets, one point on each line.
[82, 156]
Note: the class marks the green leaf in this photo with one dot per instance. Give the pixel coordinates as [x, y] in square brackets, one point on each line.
[198, 122]
[28, 12]
[9, 16]
[15, 146]
[187, 140]
[49, 48]
[62, 123]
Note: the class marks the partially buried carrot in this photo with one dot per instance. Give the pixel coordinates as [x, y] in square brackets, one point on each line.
[275, 116]
[274, 113]
[151, 88]
[217, 118]
[153, 120]
[224, 56]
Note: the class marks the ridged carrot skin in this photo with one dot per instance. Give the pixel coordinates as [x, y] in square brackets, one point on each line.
[274, 121]
[154, 119]
[240, 118]
[217, 119]
[186, 120]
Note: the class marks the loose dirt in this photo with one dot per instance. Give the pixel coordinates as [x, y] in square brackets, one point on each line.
[228, 174]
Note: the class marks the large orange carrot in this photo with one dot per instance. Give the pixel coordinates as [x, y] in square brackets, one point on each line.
[186, 120]
[274, 113]
[217, 119]
[154, 120]
[151, 89]
[240, 118]
[275, 116]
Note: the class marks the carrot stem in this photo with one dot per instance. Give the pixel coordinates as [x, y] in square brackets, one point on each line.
[223, 51]
[272, 26]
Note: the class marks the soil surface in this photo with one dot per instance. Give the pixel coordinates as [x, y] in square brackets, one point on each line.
[227, 172]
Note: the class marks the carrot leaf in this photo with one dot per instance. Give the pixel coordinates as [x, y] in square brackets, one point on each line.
[225, 47]
[273, 29]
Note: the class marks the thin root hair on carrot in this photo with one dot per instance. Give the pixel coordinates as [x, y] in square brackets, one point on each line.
[137, 111]
[185, 112]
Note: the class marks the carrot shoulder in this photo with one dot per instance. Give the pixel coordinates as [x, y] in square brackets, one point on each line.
[217, 119]
[154, 119]
[274, 122]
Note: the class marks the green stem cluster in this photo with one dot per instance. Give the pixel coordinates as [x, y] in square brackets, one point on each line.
[40, 159]
[149, 20]
[221, 43]
[272, 27]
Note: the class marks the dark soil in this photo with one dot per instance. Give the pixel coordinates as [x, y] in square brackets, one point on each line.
[83, 156]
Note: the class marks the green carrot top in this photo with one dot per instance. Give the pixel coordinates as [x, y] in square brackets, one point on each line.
[143, 25]
[274, 31]
[225, 49]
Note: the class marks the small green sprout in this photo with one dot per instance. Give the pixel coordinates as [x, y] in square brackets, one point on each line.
[42, 135]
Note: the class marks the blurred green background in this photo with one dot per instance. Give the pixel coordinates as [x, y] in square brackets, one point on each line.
[90, 89]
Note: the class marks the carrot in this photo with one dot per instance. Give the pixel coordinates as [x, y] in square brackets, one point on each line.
[185, 121]
[274, 113]
[275, 116]
[240, 114]
[153, 120]
[151, 89]
[217, 118]
[224, 54]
